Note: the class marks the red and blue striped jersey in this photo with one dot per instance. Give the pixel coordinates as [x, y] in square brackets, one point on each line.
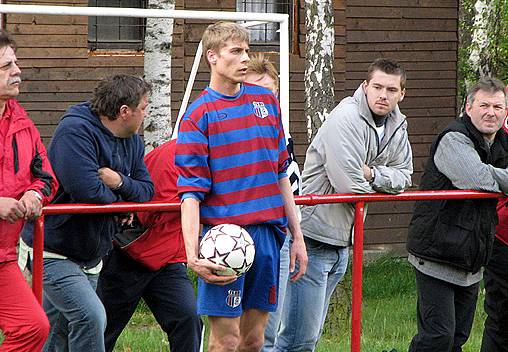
[230, 154]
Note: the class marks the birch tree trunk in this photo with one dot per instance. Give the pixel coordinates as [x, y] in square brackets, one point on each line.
[158, 42]
[483, 28]
[319, 102]
[319, 79]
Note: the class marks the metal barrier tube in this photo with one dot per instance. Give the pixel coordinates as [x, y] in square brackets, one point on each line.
[311, 199]
[356, 305]
[38, 247]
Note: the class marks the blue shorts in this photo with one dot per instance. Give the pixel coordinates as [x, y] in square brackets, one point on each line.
[257, 288]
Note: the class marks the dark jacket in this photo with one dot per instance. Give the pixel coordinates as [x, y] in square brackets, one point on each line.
[457, 232]
[80, 146]
[24, 166]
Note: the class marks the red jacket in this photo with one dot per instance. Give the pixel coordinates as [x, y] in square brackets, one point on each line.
[23, 166]
[163, 242]
[502, 226]
[502, 209]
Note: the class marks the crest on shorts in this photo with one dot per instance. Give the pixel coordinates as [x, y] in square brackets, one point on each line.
[260, 109]
[233, 298]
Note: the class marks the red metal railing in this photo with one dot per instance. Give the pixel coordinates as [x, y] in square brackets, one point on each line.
[314, 199]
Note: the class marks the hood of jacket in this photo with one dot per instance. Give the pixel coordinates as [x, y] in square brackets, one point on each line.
[393, 120]
[19, 117]
[82, 113]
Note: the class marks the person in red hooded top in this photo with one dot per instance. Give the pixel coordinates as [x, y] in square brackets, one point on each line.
[495, 333]
[27, 183]
[150, 263]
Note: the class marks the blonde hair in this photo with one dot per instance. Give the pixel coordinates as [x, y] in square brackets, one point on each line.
[261, 64]
[216, 35]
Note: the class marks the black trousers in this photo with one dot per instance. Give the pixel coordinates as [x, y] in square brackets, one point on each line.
[495, 334]
[168, 293]
[445, 315]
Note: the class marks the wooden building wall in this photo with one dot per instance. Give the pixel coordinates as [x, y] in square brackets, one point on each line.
[58, 71]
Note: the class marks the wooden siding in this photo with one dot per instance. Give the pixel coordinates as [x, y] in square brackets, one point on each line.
[58, 71]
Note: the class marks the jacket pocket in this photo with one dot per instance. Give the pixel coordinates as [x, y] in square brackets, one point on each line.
[457, 237]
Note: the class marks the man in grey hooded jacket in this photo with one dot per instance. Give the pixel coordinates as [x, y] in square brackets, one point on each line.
[362, 147]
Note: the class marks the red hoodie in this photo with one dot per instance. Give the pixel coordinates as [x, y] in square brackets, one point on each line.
[163, 242]
[23, 166]
[502, 208]
[502, 227]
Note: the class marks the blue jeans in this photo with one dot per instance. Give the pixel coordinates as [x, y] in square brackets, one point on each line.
[272, 326]
[307, 300]
[76, 314]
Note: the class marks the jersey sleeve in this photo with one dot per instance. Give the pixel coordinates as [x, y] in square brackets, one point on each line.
[191, 157]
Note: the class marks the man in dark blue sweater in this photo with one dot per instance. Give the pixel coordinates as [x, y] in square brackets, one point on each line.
[97, 156]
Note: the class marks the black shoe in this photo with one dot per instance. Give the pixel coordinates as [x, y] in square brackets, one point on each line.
[392, 350]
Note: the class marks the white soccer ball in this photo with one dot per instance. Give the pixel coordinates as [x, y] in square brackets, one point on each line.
[228, 245]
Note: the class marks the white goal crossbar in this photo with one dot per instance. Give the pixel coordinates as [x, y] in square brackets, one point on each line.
[283, 19]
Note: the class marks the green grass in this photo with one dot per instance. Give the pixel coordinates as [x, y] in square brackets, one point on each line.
[388, 312]
[388, 315]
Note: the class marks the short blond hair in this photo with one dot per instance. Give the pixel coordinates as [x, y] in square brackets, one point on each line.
[261, 64]
[216, 35]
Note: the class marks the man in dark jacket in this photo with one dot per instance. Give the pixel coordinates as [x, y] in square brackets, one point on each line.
[450, 240]
[27, 183]
[97, 156]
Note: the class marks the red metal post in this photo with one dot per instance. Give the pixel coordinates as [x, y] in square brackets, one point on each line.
[38, 247]
[356, 306]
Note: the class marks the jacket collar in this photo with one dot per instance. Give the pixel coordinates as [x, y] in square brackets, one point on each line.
[19, 117]
[393, 121]
[477, 135]
[500, 140]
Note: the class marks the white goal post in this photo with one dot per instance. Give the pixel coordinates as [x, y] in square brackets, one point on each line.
[282, 19]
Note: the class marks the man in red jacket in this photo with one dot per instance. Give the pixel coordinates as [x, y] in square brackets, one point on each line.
[495, 277]
[153, 267]
[27, 183]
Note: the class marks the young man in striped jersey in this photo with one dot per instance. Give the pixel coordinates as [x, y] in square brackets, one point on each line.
[232, 160]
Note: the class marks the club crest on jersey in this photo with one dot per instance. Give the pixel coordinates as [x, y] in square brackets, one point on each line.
[233, 298]
[260, 109]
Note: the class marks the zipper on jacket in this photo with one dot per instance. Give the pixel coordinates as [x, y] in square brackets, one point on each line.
[377, 137]
[391, 137]
[15, 152]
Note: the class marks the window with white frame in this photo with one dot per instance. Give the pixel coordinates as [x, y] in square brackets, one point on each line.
[266, 33]
[116, 33]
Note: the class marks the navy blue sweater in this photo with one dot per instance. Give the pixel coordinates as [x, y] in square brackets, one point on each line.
[80, 146]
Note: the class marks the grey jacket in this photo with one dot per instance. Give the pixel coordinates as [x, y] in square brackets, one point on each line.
[334, 164]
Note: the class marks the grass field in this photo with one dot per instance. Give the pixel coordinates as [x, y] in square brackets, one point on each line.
[389, 318]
